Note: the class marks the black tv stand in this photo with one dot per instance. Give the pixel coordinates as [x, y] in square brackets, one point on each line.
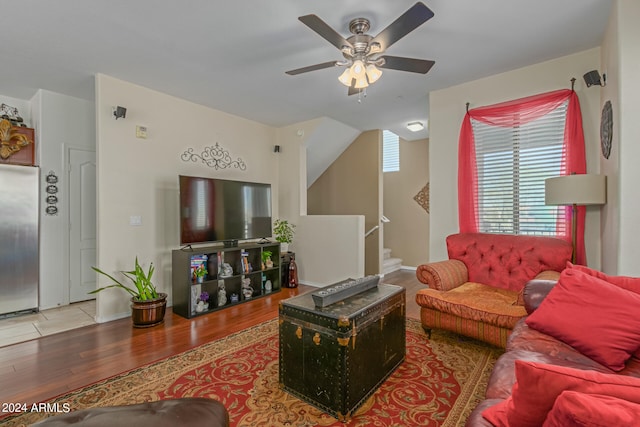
[247, 274]
[230, 243]
[263, 241]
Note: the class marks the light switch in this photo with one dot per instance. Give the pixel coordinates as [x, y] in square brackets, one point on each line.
[135, 220]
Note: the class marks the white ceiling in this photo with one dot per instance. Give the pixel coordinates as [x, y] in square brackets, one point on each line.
[232, 55]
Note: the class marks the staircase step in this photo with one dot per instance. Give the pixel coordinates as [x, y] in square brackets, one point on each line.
[391, 264]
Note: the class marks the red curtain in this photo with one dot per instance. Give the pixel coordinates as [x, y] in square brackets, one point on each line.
[511, 114]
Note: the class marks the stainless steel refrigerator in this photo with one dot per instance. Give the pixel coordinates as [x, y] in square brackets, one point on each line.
[19, 238]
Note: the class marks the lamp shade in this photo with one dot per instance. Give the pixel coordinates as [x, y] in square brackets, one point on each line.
[579, 189]
[345, 78]
[373, 74]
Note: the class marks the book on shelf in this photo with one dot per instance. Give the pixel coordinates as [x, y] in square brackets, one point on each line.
[196, 262]
[246, 267]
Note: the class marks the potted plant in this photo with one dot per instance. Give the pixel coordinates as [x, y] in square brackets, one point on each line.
[266, 259]
[148, 305]
[284, 232]
[200, 272]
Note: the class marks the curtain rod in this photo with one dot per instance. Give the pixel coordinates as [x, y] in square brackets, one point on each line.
[573, 82]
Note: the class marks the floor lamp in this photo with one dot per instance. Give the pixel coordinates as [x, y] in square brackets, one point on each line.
[575, 190]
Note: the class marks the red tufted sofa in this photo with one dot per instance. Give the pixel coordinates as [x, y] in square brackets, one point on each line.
[477, 291]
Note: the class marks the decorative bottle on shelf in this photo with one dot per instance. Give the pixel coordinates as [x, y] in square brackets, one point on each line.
[293, 273]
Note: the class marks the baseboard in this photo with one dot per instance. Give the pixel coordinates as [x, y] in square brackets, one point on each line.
[408, 267]
[118, 316]
[316, 285]
[112, 317]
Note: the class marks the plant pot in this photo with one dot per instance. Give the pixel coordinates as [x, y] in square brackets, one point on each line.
[145, 314]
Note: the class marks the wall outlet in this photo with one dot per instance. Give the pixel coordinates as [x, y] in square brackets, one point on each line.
[135, 220]
[141, 132]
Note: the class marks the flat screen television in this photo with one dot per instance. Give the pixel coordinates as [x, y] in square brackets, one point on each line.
[214, 210]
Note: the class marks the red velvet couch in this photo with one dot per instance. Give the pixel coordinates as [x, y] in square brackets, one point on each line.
[557, 385]
[476, 292]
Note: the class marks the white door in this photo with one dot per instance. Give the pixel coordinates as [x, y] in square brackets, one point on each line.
[82, 224]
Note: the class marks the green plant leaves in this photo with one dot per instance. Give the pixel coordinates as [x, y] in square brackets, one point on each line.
[143, 287]
[283, 230]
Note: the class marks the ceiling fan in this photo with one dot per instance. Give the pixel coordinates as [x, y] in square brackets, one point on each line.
[363, 53]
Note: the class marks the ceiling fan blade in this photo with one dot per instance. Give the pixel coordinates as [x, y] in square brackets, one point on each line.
[312, 68]
[407, 64]
[417, 15]
[325, 31]
[352, 91]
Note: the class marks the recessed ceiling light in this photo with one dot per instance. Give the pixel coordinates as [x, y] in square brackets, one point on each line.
[415, 126]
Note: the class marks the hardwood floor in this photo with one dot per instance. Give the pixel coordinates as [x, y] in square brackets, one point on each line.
[43, 368]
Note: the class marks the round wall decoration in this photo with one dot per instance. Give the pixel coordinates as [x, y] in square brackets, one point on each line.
[606, 129]
[52, 178]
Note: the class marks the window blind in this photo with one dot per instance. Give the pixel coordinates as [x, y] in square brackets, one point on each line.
[513, 163]
[390, 152]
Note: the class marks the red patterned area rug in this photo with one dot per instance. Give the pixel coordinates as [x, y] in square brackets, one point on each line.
[439, 384]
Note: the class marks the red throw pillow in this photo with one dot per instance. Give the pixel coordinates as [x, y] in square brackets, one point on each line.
[593, 316]
[538, 385]
[626, 282]
[573, 408]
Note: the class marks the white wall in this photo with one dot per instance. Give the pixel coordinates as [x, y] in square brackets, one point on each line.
[61, 122]
[328, 248]
[629, 43]
[610, 220]
[325, 144]
[621, 214]
[140, 176]
[447, 109]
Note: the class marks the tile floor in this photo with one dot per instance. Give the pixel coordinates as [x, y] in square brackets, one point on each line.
[29, 326]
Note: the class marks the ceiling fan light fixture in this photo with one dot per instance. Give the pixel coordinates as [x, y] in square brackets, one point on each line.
[345, 78]
[415, 126]
[373, 73]
[361, 82]
[374, 47]
[357, 69]
[347, 50]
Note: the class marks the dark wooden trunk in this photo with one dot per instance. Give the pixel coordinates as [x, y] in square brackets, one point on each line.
[336, 357]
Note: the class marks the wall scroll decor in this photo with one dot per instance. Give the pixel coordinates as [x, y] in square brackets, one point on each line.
[606, 129]
[215, 157]
[51, 179]
[423, 197]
